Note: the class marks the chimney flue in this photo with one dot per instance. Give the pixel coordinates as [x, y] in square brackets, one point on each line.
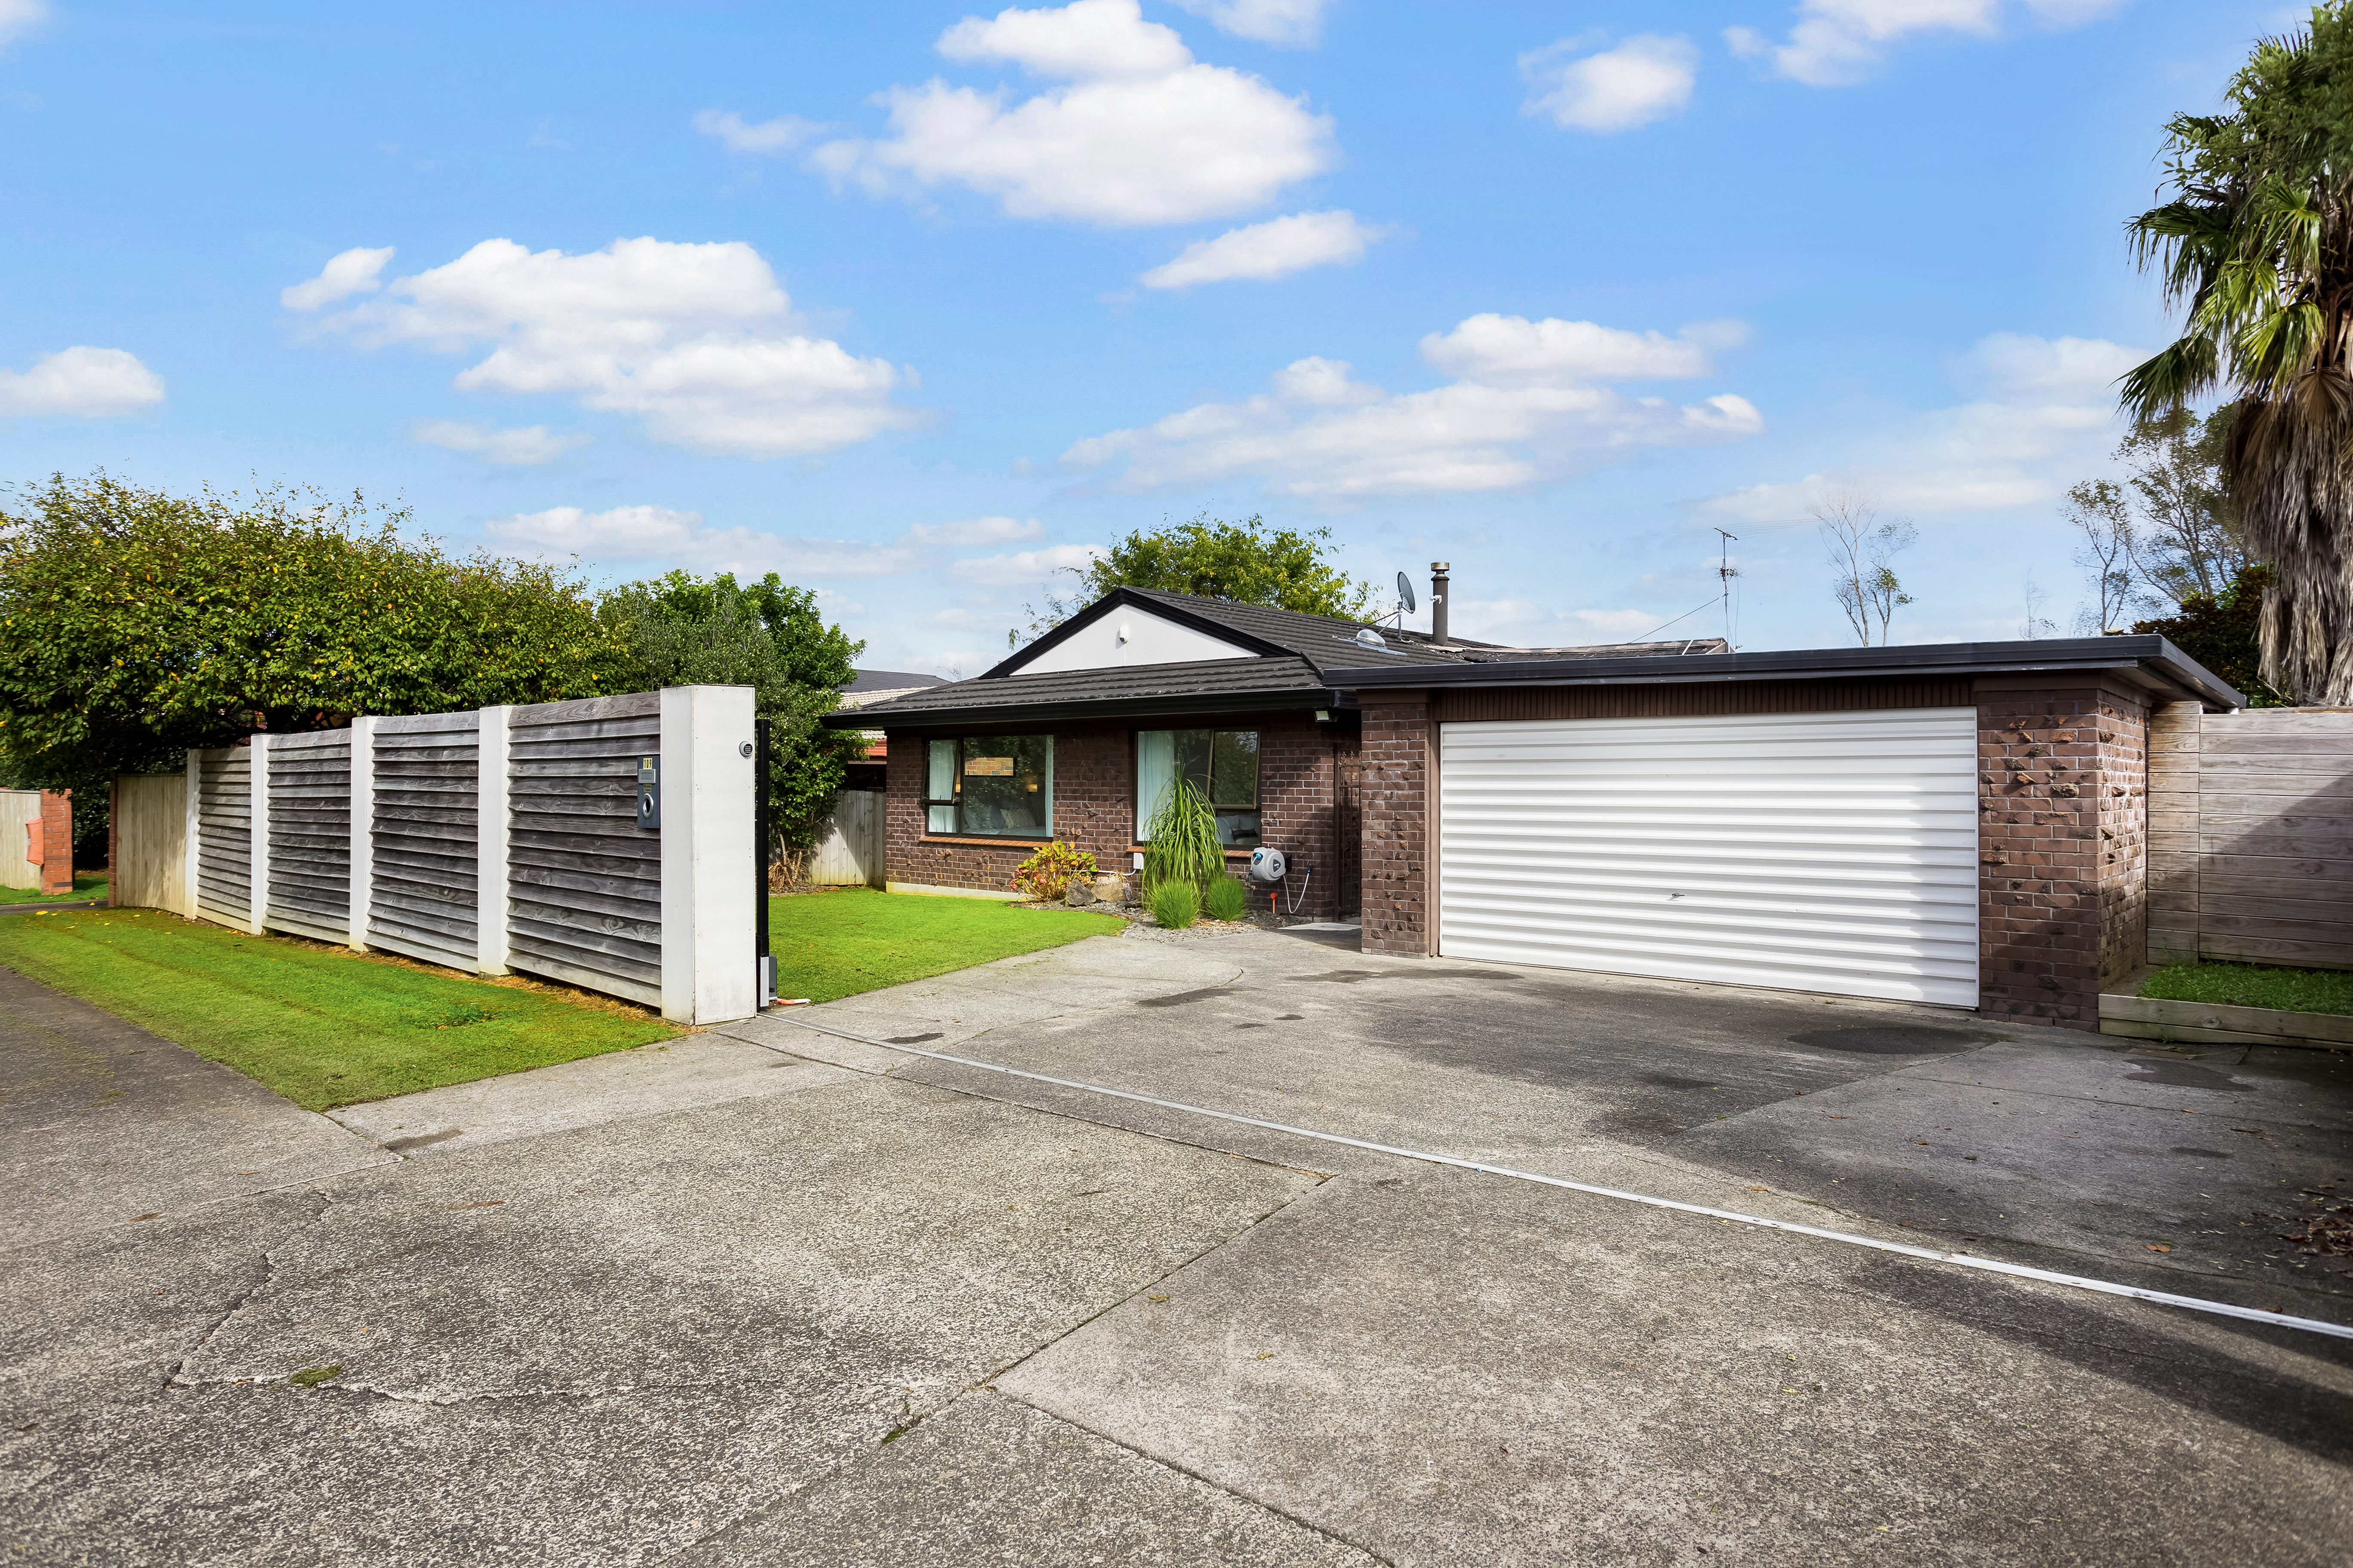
[1438, 570]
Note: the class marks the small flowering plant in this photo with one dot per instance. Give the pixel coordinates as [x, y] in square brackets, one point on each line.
[1048, 875]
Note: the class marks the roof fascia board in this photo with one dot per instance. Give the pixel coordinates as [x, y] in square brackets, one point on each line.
[970, 719]
[1127, 597]
[2068, 656]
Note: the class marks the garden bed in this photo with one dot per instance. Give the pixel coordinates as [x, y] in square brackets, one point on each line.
[2239, 1004]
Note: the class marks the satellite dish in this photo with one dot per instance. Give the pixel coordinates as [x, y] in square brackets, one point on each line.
[1405, 593]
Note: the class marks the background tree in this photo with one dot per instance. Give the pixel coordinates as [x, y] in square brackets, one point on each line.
[1862, 548]
[2256, 246]
[2103, 521]
[1246, 561]
[134, 624]
[681, 630]
[2188, 535]
[2222, 632]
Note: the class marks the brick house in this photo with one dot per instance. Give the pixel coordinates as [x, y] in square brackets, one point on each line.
[1074, 737]
[1958, 824]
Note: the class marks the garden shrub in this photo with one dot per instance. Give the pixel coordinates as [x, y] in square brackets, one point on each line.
[1184, 844]
[1226, 899]
[1176, 904]
[1048, 874]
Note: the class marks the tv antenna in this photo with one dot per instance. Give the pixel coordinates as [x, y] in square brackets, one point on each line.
[1405, 599]
[1725, 571]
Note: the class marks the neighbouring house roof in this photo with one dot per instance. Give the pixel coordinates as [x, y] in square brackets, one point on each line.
[2148, 662]
[891, 680]
[1284, 662]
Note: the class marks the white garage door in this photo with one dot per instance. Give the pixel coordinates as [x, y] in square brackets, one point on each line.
[1830, 852]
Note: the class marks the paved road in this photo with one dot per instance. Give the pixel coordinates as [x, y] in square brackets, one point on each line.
[858, 1307]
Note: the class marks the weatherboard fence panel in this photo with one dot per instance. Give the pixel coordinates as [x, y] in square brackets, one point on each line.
[502, 839]
[585, 881]
[423, 897]
[2251, 836]
[310, 835]
[225, 836]
[848, 852]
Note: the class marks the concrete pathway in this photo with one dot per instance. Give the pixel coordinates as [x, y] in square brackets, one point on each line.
[102, 1123]
[861, 1307]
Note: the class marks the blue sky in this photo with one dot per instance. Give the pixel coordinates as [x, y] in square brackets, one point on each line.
[916, 303]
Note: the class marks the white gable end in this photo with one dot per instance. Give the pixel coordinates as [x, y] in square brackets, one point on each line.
[1132, 636]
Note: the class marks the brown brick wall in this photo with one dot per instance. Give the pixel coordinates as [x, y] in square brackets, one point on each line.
[1396, 792]
[51, 845]
[1094, 806]
[2063, 847]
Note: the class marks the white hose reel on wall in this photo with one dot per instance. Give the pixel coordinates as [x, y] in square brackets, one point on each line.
[1268, 868]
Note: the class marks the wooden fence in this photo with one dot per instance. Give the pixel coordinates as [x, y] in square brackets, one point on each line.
[506, 840]
[2251, 836]
[848, 851]
[149, 864]
[19, 809]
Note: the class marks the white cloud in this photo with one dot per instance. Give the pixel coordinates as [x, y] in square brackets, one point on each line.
[2044, 413]
[1836, 42]
[772, 137]
[680, 539]
[976, 530]
[83, 382]
[696, 339]
[1028, 568]
[524, 446]
[1645, 79]
[1289, 24]
[353, 272]
[18, 17]
[1268, 250]
[1145, 134]
[1521, 411]
[1512, 351]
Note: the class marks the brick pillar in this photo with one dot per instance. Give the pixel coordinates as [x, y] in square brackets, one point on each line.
[1397, 783]
[2062, 799]
[51, 845]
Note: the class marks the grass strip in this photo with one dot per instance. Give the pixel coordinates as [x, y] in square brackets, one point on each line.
[322, 1025]
[87, 885]
[843, 941]
[2252, 986]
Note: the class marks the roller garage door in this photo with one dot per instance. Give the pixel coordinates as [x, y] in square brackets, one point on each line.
[1832, 852]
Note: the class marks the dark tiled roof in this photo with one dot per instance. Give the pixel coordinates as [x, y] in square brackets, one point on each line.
[1322, 640]
[890, 680]
[1675, 649]
[1209, 684]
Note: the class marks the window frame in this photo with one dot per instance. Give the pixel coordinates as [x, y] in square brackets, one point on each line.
[954, 802]
[1256, 808]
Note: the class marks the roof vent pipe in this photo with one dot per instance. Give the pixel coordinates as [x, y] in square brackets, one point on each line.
[1438, 570]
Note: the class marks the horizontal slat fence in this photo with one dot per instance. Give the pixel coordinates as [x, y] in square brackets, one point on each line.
[507, 838]
[2251, 836]
[224, 834]
[424, 892]
[310, 835]
[585, 880]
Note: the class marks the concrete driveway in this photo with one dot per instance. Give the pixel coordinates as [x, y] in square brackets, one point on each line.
[777, 1297]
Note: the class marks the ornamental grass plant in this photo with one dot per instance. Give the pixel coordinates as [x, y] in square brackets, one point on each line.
[1175, 904]
[1226, 899]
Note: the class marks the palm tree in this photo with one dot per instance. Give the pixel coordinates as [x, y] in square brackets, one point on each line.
[2257, 243]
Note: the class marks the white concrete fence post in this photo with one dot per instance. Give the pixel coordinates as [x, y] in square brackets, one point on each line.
[363, 826]
[494, 896]
[189, 849]
[258, 787]
[708, 963]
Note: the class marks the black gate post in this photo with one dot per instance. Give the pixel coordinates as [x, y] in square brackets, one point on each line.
[760, 829]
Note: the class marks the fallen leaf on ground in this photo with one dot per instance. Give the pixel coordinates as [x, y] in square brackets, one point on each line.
[2153, 1247]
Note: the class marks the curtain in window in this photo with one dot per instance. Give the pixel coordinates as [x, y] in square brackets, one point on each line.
[940, 764]
[1156, 767]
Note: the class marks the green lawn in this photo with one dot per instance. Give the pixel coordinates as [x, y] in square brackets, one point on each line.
[848, 940]
[2248, 985]
[322, 1026]
[87, 885]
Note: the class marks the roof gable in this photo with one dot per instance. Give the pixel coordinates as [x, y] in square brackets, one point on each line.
[1129, 635]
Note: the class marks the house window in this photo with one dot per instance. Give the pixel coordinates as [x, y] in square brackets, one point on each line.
[1221, 763]
[999, 787]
